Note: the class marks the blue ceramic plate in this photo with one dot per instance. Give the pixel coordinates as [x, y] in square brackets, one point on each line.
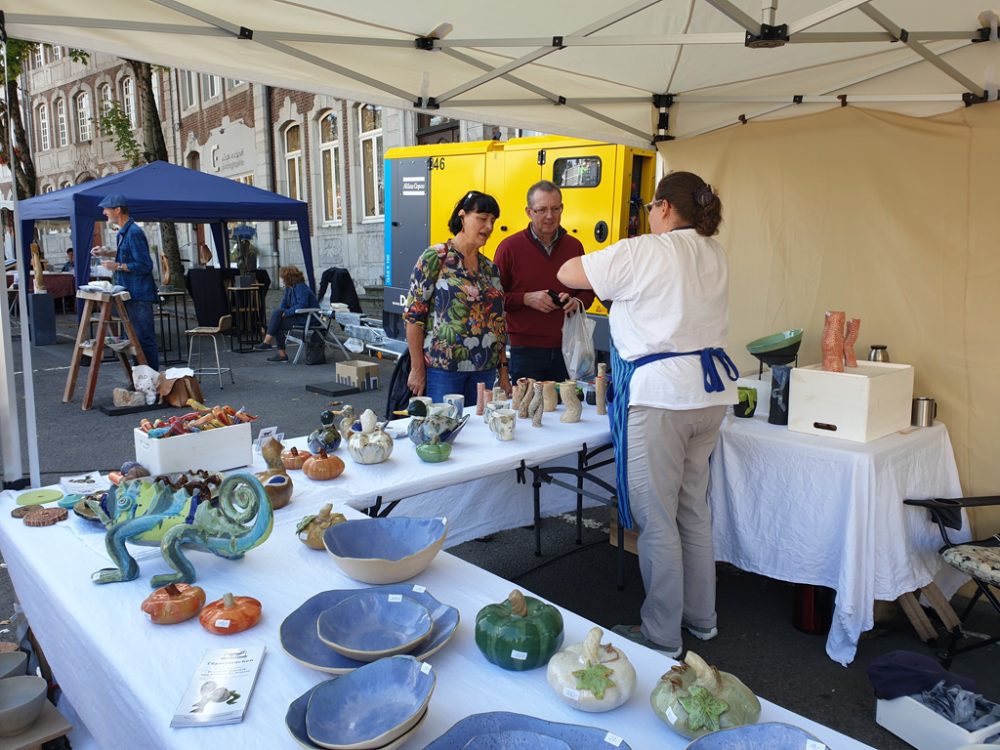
[371, 706]
[372, 624]
[515, 739]
[766, 736]
[295, 721]
[300, 640]
[477, 726]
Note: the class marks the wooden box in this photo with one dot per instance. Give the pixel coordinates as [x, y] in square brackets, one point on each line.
[631, 535]
[358, 373]
[913, 722]
[213, 450]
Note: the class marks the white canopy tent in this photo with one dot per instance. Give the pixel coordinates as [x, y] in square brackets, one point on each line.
[655, 70]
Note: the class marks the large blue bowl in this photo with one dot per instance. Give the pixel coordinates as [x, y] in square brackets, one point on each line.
[766, 736]
[373, 624]
[385, 550]
[503, 722]
[371, 706]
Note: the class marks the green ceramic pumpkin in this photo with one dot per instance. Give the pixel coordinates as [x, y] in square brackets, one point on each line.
[520, 633]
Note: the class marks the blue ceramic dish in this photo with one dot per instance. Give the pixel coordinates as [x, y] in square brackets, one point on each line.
[516, 739]
[478, 726]
[766, 736]
[295, 721]
[372, 625]
[371, 706]
[436, 428]
[300, 640]
[385, 550]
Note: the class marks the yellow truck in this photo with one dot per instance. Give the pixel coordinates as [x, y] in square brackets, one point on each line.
[603, 184]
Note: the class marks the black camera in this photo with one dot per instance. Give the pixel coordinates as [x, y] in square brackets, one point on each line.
[554, 296]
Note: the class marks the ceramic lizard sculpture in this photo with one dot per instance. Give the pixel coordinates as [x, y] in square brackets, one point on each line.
[235, 521]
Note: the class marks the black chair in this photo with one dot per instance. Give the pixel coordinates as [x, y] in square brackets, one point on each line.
[978, 559]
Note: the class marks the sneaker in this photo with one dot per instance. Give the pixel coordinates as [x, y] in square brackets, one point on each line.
[634, 634]
[702, 634]
[262, 347]
[278, 358]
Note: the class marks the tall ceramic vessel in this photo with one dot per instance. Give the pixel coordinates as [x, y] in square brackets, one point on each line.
[537, 406]
[526, 397]
[480, 398]
[572, 407]
[550, 396]
[850, 339]
[832, 344]
[601, 388]
[780, 378]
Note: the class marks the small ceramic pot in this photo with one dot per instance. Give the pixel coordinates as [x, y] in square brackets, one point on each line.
[278, 488]
[434, 453]
[747, 404]
[502, 423]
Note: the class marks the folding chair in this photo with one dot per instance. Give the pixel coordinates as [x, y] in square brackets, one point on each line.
[978, 559]
[316, 320]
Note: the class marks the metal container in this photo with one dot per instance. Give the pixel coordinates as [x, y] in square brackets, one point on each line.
[924, 412]
[879, 353]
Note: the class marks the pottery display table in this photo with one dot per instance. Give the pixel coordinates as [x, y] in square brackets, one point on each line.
[125, 676]
[828, 512]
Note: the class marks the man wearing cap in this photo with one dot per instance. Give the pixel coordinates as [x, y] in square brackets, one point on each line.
[133, 269]
[535, 302]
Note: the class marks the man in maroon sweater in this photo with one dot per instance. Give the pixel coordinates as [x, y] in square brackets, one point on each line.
[528, 262]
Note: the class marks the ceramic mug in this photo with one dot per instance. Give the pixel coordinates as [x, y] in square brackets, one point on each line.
[457, 402]
[492, 407]
[502, 423]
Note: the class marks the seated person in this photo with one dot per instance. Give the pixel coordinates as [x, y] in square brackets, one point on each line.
[297, 295]
[68, 265]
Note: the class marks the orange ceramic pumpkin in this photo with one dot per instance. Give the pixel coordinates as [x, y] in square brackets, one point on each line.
[174, 603]
[230, 614]
[294, 458]
[323, 467]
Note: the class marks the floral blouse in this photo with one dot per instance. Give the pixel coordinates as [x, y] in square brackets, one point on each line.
[466, 330]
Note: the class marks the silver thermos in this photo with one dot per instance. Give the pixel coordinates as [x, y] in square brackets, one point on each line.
[924, 412]
[878, 353]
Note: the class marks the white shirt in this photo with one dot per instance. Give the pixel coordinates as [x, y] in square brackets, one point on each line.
[671, 294]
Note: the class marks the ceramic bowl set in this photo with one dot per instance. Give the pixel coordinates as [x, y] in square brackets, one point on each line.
[385, 550]
[22, 697]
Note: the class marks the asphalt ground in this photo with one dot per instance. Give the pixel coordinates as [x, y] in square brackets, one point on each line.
[757, 639]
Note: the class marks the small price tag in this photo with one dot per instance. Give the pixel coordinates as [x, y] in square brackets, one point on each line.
[573, 695]
[519, 655]
[613, 739]
[222, 623]
[425, 668]
[814, 745]
[419, 589]
[671, 716]
[394, 598]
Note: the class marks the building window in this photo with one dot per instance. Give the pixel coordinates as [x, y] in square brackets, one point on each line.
[329, 157]
[84, 127]
[154, 82]
[232, 83]
[57, 53]
[211, 86]
[189, 90]
[37, 57]
[370, 136]
[62, 126]
[106, 98]
[245, 179]
[65, 184]
[43, 128]
[128, 100]
[293, 161]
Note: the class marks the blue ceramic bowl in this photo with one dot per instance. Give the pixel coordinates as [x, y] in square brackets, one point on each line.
[497, 722]
[300, 640]
[295, 722]
[516, 739]
[385, 550]
[371, 706]
[766, 736]
[373, 624]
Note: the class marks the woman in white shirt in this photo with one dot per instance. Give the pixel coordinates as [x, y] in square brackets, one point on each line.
[668, 320]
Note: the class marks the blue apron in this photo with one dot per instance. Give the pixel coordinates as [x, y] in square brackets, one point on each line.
[618, 398]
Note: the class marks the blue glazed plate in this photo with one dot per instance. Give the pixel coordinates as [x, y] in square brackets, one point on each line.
[766, 736]
[371, 706]
[477, 726]
[373, 624]
[295, 721]
[300, 639]
[515, 739]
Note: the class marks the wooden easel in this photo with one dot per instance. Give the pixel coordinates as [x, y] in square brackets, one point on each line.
[96, 350]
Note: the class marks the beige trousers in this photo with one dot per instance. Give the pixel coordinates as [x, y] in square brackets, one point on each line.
[668, 454]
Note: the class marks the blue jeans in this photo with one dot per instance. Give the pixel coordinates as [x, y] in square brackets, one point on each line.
[440, 382]
[279, 325]
[140, 313]
[538, 363]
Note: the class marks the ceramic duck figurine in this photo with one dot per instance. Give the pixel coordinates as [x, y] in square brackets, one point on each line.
[372, 444]
[277, 483]
[346, 421]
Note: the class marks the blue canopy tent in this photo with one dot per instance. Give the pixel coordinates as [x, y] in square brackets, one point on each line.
[164, 192]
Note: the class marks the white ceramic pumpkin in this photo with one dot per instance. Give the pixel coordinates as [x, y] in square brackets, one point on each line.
[592, 676]
[372, 445]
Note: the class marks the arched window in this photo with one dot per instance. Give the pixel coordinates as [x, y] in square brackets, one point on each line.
[43, 128]
[293, 160]
[128, 99]
[84, 118]
[370, 137]
[107, 99]
[329, 157]
[65, 184]
[62, 123]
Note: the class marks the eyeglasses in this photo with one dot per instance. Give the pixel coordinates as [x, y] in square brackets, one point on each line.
[546, 211]
[650, 206]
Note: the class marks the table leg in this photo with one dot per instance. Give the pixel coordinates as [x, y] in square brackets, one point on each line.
[536, 487]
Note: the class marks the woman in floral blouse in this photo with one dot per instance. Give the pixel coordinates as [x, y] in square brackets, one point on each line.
[454, 313]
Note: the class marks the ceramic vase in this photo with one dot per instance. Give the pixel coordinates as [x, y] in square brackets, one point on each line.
[780, 377]
[537, 406]
[832, 344]
[550, 396]
[601, 388]
[572, 408]
[499, 394]
[520, 387]
[526, 397]
[502, 423]
[850, 339]
[480, 398]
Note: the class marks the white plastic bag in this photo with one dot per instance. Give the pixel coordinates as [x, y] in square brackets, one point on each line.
[578, 345]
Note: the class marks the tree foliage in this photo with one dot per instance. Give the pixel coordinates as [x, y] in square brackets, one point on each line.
[116, 125]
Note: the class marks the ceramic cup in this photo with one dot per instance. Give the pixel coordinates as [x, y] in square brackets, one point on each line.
[492, 407]
[457, 402]
[502, 423]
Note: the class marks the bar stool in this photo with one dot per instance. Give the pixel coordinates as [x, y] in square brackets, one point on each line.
[214, 333]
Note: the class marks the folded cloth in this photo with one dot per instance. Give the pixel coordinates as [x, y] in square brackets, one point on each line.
[969, 710]
[900, 673]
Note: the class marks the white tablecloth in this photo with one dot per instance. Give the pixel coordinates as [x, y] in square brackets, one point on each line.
[830, 512]
[125, 676]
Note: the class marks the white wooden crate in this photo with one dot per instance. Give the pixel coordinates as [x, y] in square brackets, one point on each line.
[913, 722]
[213, 450]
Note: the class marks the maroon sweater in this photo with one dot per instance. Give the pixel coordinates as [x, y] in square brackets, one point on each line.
[525, 267]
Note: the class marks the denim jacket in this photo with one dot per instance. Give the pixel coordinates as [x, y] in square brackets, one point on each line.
[133, 251]
[296, 298]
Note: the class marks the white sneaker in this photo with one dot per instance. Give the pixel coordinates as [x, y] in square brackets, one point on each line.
[702, 634]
